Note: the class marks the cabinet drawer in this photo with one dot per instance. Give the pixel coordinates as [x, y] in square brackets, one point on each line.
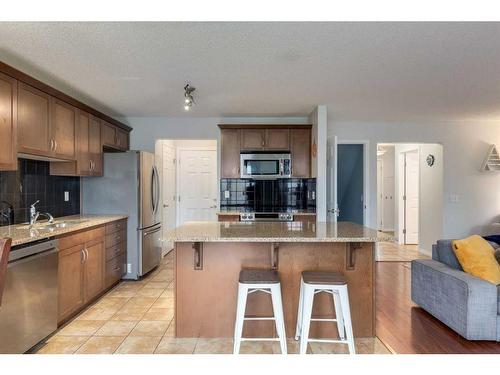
[81, 237]
[115, 251]
[114, 270]
[115, 238]
[116, 226]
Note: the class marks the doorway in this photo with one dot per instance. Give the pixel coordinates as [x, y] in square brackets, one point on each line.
[188, 171]
[347, 181]
[410, 196]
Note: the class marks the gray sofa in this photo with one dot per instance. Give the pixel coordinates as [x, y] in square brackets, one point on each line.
[468, 305]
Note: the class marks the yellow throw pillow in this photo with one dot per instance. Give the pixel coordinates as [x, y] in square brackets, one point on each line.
[476, 256]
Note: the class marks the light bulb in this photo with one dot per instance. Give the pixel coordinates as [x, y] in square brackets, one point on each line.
[186, 100]
[186, 108]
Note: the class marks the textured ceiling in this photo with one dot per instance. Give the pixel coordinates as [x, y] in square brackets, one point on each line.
[361, 71]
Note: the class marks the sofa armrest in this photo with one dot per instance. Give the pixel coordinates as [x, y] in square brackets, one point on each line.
[463, 302]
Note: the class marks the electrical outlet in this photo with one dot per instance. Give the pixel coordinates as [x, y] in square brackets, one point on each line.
[129, 267]
[66, 196]
[454, 198]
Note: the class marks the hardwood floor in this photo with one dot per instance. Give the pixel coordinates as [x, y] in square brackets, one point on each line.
[405, 328]
[394, 252]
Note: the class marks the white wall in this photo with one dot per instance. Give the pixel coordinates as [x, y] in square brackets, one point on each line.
[471, 198]
[318, 119]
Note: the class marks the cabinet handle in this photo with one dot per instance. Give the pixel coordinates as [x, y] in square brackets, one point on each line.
[117, 250]
[90, 165]
[117, 237]
[55, 145]
[83, 256]
[51, 144]
[117, 269]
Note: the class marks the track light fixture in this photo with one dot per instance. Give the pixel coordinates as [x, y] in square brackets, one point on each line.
[188, 97]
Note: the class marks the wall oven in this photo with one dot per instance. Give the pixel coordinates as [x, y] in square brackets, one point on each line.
[265, 166]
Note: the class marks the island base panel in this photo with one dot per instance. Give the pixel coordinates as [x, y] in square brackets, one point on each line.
[206, 299]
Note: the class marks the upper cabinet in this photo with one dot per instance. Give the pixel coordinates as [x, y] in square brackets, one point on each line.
[8, 123]
[230, 153]
[38, 121]
[114, 138]
[265, 139]
[295, 139]
[62, 129]
[300, 149]
[33, 122]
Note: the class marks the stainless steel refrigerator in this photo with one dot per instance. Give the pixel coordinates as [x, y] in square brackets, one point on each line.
[130, 186]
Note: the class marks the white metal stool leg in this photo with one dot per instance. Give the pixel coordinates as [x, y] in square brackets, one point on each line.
[308, 300]
[346, 312]
[299, 313]
[240, 316]
[339, 315]
[278, 316]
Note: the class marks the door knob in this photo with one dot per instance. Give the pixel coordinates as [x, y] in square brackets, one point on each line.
[165, 205]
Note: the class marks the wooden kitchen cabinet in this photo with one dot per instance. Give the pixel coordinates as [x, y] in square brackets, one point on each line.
[63, 129]
[230, 153]
[94, 269]
[71, 280]
[253, 139]
[108, 134]
[33, 129]
[277, 139]
[265, 139]
[8, 123]
[81, 270]
[300, 149]
[121, 140]
[116, 252]
[95, 146]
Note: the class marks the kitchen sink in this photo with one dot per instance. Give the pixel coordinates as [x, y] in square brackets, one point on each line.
[55, 225]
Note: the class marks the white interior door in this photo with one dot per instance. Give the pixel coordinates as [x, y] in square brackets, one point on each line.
[168, 192]
[198, 185]
[380, 194]
[411, 197]
[332, 209]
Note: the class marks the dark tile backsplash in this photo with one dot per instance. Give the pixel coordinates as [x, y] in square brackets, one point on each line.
[268, 195]
[31, 182]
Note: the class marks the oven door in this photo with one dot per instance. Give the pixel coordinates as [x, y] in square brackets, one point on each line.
[261, 166]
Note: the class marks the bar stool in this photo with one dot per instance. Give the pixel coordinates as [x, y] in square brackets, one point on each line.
[313, 282]
[267, 281]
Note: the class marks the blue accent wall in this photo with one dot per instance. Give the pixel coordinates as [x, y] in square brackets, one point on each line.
[350, 182]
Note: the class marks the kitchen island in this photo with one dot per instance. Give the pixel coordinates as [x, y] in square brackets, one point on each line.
[210, 255]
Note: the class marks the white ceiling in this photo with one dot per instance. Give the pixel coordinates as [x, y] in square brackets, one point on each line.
[361, 71]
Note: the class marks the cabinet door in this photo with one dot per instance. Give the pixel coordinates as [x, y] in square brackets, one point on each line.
[71, 279]
[8, 123]
[108, 134]
[252, 139]
[300, 148]
[33, 121]
[83, 142]
[95, 146]
[121, 139]
[230, 153]
[94, 269]
[62, 129]
[278, 139]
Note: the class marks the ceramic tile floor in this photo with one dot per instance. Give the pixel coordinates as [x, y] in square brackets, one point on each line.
[137, 317]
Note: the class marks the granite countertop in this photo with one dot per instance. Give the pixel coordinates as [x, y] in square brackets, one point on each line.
[22, 233]
[274, 232]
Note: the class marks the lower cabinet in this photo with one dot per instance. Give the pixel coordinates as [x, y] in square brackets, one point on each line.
[84, 269]
[116, 252]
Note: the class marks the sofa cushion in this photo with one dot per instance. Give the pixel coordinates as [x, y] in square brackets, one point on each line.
[476, 256]
[443, 252]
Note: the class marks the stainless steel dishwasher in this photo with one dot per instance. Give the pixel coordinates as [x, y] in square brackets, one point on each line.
[28, 312]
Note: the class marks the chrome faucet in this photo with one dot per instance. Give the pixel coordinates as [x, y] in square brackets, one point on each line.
[34, 215]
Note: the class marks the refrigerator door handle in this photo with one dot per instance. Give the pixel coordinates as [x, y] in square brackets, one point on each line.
[153, 188]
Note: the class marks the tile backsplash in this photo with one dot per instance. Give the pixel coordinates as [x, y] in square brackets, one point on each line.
[31, 182]
[268, 195]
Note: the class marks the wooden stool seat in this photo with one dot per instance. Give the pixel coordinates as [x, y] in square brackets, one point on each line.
[257, 276]
[323, 278]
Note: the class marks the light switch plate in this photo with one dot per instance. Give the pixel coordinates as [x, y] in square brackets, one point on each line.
[66, 196]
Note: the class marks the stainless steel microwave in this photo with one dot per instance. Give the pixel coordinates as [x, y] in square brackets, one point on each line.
[265, 166]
